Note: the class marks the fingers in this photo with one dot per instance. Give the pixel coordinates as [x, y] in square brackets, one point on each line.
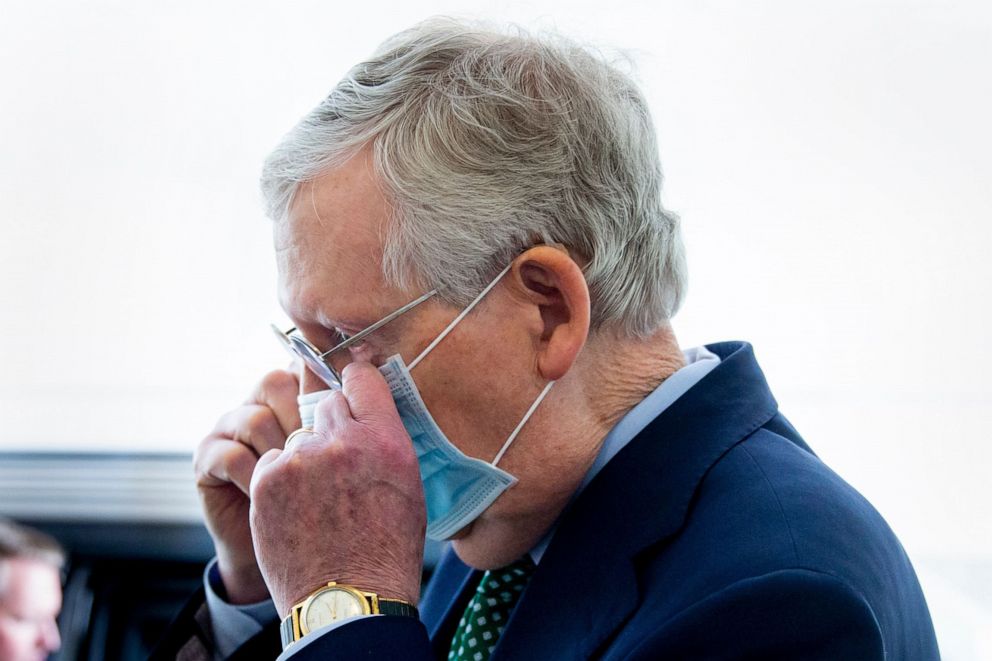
[299, 436]
[263, 463]
[332, 412]
[367, 392]
[221, 461]
[278, 391]
[267, 459]
[229, 454]
[253, 425]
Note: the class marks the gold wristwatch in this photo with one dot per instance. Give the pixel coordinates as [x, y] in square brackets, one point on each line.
[332, 603]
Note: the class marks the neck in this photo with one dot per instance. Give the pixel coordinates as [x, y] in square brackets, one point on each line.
[615, 374]
[622, 371]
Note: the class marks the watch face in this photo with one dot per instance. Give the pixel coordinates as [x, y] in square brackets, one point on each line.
[330, 605]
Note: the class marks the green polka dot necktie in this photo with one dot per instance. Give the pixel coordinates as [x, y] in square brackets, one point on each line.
[488, 610]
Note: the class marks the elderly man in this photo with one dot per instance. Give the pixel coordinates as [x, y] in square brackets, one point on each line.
[474, 254]
[30, 593]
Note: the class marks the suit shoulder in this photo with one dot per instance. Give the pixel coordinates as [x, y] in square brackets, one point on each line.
[791, 613]
[822, 517]
[771, 506]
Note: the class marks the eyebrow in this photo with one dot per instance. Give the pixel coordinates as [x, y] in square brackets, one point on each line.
[313, 316]
[361, 335]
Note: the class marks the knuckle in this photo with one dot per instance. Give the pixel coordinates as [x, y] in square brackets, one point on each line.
[239, 459]
[326, 455]
[259, 421]
[350, 437]
[331, 405]
[264, 481]
[326, 405]
[278, 383]
[202, 455]
[345, 460]
[199, 451]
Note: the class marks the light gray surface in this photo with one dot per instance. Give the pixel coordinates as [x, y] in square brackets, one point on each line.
[152, 488]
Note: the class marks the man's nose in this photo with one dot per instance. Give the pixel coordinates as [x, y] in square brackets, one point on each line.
[48, 636]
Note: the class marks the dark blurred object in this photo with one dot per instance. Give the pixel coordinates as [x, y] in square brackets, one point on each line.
[130, 524]
[120, 594]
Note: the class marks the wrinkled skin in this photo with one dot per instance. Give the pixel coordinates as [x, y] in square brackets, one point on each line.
[360, 456]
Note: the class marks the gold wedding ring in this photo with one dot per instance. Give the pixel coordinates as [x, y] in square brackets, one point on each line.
[296, 433]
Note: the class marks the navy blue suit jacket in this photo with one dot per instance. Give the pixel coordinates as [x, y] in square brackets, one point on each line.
[716, 533]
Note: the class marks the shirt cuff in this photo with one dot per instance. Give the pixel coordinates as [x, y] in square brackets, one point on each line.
[232, 624]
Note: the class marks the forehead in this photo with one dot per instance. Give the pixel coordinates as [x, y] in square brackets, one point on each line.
[29, 582]
[329, 247]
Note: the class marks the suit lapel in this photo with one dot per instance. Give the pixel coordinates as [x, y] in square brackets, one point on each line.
[447, 594]
[586, 584]
[569, 609]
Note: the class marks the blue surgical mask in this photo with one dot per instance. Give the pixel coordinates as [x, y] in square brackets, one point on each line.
[457, 488]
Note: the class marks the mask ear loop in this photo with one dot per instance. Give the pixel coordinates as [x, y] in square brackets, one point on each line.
[523, 421]
[450, 327]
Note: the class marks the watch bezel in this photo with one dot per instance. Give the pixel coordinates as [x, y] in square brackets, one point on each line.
[355, 594]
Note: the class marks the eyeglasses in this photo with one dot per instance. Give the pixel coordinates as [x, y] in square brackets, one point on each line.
[320, 363]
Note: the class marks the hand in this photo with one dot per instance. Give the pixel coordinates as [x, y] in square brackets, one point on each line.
[224, 463]
[342, 504]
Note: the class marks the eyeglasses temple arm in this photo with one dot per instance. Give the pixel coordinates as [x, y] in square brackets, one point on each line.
[358, 337]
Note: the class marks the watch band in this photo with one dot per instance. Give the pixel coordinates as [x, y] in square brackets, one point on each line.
[395, 607]
[286, 632]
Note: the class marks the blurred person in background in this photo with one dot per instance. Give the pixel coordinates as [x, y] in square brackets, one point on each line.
[468, 219]
[30, 593]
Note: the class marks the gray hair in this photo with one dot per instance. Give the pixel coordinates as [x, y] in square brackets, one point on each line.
[17, 541]
[487, 143]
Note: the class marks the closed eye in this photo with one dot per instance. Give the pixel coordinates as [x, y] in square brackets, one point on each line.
[344, 336]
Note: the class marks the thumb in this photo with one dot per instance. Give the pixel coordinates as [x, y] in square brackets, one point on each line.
[367, 393]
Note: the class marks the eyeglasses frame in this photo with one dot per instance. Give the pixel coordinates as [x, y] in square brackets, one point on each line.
[285, 336]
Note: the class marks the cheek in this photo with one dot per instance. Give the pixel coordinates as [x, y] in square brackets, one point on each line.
[454, 401]
[476, 384]
[14, 639]
[475, 405]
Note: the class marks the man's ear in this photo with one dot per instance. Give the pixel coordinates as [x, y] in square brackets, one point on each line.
[547, 277]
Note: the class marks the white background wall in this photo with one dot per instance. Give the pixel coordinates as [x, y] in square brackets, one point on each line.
[830, 162]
